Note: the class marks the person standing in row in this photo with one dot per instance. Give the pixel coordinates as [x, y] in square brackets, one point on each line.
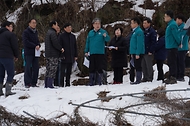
[31, 43]
[118, 46]
[53, 51]
[67, 41]
[8, 53]
[150, 41]
[57, 76]
[95, 46]
[182, 49]
[160, 54]
[172, 43]
[137, 48]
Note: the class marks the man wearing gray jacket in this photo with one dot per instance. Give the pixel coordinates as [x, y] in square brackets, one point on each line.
[52, 53]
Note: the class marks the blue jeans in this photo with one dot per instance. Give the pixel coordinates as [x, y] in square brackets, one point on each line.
[31, 70]
[6, 64]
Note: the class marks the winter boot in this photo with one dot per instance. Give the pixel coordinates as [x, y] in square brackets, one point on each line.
[171, 80]
[1, 91]
[8, 87]
[92, 77]
[104, 78]
[138, 78]
[49, 83]
[132, 74]
[99, 78]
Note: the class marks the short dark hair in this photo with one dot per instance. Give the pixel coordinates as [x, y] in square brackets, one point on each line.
[170, 13]
[148, 20]
[66, 25]
[137, 20]
[51, 23]
[6, 23]
[161, 32]
[31, 20]
[121, 29]
[181, 16]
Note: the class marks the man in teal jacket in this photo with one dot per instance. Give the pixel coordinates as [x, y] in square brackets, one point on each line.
[182, 49]
[95, 47]
[172, 43]
[137, 48]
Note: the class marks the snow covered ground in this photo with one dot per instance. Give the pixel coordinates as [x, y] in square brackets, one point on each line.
[50, 103]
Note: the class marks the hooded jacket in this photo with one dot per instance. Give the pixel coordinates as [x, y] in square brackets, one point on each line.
[8, 44]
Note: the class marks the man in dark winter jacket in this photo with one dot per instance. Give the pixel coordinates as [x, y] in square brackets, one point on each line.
[68, 42]
[150, 41]
[53, 51]
[31, 44]
[8, 52]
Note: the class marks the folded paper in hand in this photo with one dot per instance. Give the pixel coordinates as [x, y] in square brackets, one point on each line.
[37, 53]
[110, 47]
[86, 62]
[132, 62]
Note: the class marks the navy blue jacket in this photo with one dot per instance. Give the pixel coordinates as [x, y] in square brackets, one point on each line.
[30, 41]
[8, 44]
[68, 43]
[160, 50]
[150, 40]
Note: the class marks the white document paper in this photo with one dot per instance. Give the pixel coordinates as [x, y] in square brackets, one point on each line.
[110, 47]
[132, 62]
[74, 66]
[86, 62]
[37, 53]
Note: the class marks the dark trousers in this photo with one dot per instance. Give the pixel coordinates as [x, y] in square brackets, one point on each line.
[132, 73]
[31, 70]
[6, 64]
[96, 61]
[181, 63]
[118, 74]
[159, 64]
[58, 75]
[65, 72]
[147, 68]
[137, 62]
[172, 62]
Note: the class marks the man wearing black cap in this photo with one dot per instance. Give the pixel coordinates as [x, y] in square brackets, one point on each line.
[68, 41]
